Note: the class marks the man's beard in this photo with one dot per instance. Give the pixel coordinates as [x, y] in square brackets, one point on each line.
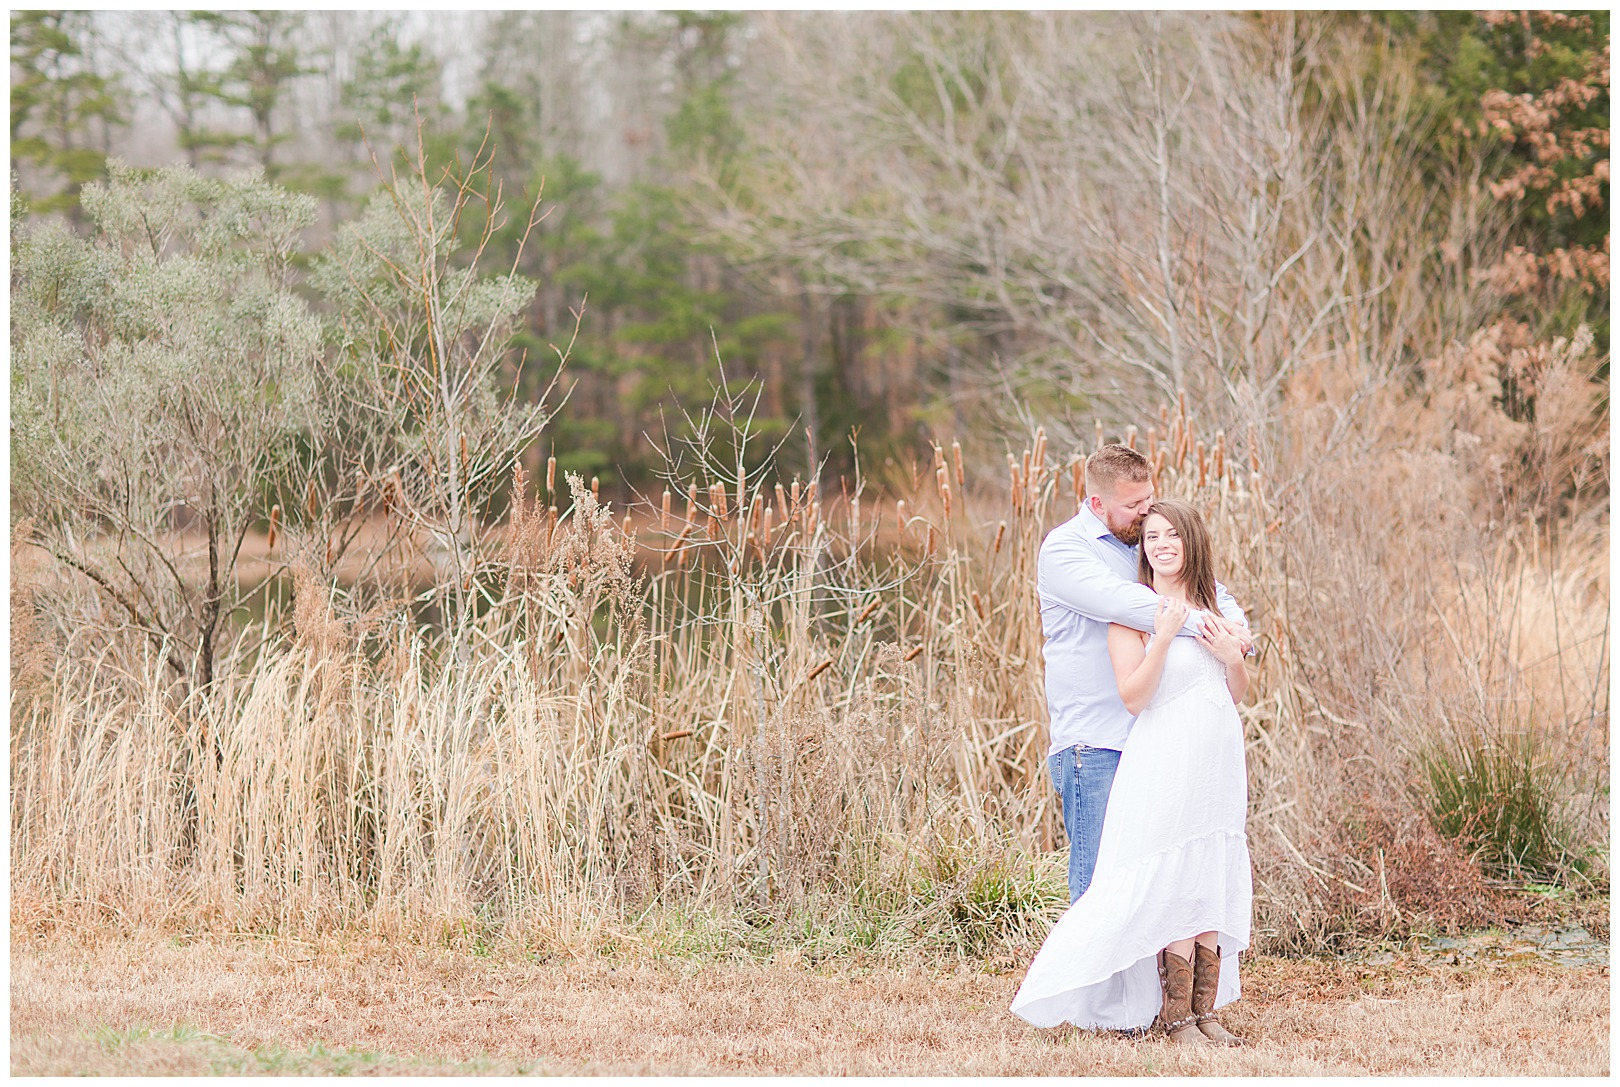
[1131, 534]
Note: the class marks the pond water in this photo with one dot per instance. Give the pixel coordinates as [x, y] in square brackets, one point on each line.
[1569, 945]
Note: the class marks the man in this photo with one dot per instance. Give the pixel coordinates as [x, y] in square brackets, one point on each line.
[1086, 580]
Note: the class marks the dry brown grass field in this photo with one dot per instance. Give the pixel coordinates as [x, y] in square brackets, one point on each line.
[156, 1006]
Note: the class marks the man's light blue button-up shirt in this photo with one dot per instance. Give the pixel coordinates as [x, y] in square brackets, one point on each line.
[1086, 579]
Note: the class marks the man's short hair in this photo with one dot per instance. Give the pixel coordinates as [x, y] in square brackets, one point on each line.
[1112, 464]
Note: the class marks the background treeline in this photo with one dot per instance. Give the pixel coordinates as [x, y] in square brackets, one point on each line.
[361, 577]
[858, 208]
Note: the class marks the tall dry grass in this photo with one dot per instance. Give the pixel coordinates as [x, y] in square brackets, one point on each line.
[772, 715]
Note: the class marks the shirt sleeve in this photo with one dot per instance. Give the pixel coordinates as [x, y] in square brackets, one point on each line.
[1228, 605]
[1070, 573]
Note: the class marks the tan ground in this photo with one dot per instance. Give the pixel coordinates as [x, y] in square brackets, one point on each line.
[153, 1007]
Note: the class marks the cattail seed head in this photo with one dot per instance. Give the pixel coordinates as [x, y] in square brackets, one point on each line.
[1152, 442]
[932, 542]
[1040, 448]
[913, 652]
[663, 517]
[868, 610]
[956, 455]
[945, 495]
[1099, 433]
[275, 520]
[596, 488]
[691, 504]
[1001, 534]
[551, 476]
[1130, 436]
[795, 494]
[1079, 482]
[781, 498]
[901, 516]
[978, 604]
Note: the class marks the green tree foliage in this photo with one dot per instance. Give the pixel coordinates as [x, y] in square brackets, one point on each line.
[263, 59]
[1532, 87]
[61, 107]
[163, 372]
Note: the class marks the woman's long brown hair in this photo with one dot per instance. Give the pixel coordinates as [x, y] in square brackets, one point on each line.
[1197, 553]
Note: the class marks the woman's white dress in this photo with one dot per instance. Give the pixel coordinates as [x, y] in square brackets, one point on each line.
[1173, 860]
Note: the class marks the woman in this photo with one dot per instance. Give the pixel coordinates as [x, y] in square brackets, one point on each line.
[1155, 938]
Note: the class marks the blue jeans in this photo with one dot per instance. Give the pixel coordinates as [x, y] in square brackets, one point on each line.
[1083, 777]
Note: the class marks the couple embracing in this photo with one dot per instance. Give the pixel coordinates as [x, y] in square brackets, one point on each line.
[1144, 665]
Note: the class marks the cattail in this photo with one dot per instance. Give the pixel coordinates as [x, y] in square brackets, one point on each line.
[625, 528]
[551, 523]
[1040, 448]
[1164, 416]
[1079, 483]
[932, 543]
[956, 455]
[1027, 478]
[678, 734]
[868, 610]
[551, 476]
[1130, 436]
[1158, 467]
[901, 516]
[1001, 532]
[275, 519]
[1219, 467]
[940, 478]
[795, 493]
[766, 530]
[945, 495]
[742, 490]
[691, 504]
[781, 499]
[911, 654]
[1099, 433]
[818, 669]
[663, 518]
[717, 498]
[939, 457]
[1203, 462]
[679, 546]
[978, 605]
[464, 452]
[1152, 442]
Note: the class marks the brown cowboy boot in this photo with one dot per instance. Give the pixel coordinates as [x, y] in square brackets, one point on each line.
[1206, 976]
[1176, 1017]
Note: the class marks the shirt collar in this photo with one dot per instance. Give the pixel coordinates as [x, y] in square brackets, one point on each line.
[1093, 527]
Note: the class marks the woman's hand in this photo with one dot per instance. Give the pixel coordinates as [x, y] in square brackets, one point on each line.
[1221, 638]
[1170, 618]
